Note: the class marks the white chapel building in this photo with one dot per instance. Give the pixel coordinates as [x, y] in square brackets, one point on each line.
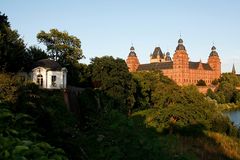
[49, 74]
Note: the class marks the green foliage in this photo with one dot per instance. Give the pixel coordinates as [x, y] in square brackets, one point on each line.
[3, 21]
[148, 92]
[8, 87]
[201, 83]
[18, 138]
[226, 91]
[34, 54]
[230, 78]
[56, 125]
[215, 82]
[14, 148]
[112, 77]
[222, 124]
[12, 48]
[117, 137]
[64, 48]
[212, 95]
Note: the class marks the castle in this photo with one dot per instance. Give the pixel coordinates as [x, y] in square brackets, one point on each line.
[179, 68]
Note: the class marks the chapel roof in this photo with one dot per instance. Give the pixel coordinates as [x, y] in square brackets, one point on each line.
[47, 63]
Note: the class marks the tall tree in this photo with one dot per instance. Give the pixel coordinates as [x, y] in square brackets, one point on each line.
[62, 47]
[12, 47]
[34, 54]
[4, 20]
[111, 76]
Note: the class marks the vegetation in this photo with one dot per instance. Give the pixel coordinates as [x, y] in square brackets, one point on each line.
[12, 47]
[65, 49]
[201, 83]
[226, 91]
[118, 115]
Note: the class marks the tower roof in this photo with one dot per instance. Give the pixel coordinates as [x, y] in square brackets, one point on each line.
[180, 45]
[233, 69]
[132, 52]
[213, 52]
[180, 41]
[168, 58]
[157, 51]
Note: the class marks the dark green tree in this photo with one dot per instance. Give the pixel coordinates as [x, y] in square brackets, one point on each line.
[66, 50]
[4, 21]
[215, 82]
[34, 54]
[111, 76]
[201, 83]
[12, 47]
[62, 47]
[230, 78]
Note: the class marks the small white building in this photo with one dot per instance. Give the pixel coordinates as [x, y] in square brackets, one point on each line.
[49, 74]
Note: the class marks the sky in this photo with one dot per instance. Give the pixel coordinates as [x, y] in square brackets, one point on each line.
[110, 27]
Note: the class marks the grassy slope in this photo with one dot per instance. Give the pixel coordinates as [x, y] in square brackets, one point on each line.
[210, 146]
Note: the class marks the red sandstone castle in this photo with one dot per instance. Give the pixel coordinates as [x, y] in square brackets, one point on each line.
[179, 68]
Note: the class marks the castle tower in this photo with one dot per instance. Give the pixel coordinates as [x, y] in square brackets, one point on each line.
[215, 63]
[132, 60]
[181, 64]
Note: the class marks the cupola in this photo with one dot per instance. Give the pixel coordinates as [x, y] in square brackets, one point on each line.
[213, 52]
[180, 45]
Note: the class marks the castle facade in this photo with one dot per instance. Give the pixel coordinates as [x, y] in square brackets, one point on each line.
[179, 68]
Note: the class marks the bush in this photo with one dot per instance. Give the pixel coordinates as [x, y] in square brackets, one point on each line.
[201, 83]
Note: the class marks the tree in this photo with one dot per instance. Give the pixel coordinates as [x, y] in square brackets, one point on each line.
[66, 50]
[215, 82]
[201, 83]
[12, 47]
[62, 47]
[230, 78]
[3, 21]
[111, 76]
[34, 54]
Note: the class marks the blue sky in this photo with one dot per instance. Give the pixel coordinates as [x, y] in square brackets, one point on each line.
[109, 27]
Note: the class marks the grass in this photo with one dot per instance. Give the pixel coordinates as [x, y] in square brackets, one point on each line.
[210, 146]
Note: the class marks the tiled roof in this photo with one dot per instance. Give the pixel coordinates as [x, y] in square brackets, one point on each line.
[47, 63]
[157, 51]
[155, 66]
[169, 65]
[194, 65]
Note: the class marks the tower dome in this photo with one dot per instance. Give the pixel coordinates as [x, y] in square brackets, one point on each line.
[180, 41]
[180, 45]
[132, 52]
[213, 52]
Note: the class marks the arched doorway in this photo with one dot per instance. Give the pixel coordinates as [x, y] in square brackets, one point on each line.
[40, 80]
